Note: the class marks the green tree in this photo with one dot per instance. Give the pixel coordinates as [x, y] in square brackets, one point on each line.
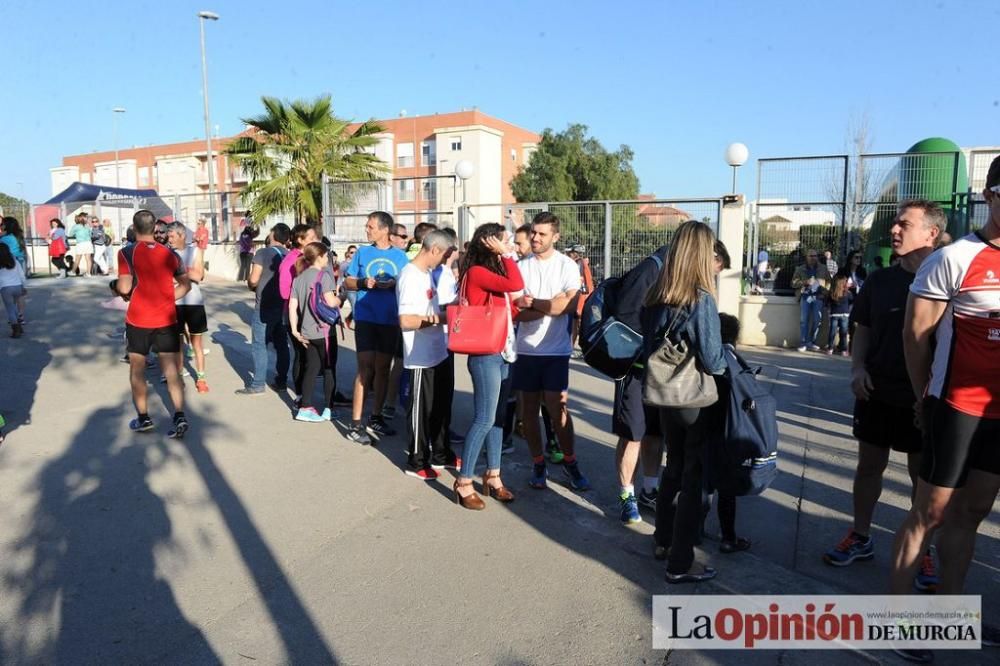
[291, 146]
[11, 205]
[571, 166]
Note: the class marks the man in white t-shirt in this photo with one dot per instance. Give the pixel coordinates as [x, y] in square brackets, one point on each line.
[191, 316]
[541, 372]
[426, 358]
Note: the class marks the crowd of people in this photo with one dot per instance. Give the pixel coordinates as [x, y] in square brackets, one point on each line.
[921, 334]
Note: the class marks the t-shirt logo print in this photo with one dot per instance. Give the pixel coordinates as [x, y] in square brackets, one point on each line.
[993, 335]
[991, 278]
[381, 269]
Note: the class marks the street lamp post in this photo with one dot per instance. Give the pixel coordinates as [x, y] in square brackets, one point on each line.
[208, 16]
[115, 111]
[464, 169]
[736, 156]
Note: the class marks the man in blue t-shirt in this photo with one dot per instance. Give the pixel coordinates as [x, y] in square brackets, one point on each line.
[372, 274]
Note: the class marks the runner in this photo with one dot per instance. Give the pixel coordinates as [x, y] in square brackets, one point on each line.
[883, 409]
[191, 316]
[637, 426]
[954, 301]
[372, 275]
[267, 321]
[12, 289]
[83, 251]
[12, 235]
[429, 364]
[541, 372]
[317, 338]
[151, 319]
[302, 235]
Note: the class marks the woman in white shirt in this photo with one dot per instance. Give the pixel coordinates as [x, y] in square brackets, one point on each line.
[11, 288]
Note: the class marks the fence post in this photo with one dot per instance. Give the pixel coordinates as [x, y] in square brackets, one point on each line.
[607, 240]
[731, 229]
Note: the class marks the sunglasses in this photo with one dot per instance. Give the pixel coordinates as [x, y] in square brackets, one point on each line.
[403, 236]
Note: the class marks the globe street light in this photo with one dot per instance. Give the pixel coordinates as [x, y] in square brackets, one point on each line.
[736, 156]
[115, 111]
[202, 17]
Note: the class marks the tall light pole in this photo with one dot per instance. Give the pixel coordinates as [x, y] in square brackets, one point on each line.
[202, 17]
[464, 169]
[736, 156]
[115, 111]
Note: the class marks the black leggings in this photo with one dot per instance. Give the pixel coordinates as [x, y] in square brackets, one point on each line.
[678, 527]
[60, 263]
[244, 271]
[319, 357]
[725, 507]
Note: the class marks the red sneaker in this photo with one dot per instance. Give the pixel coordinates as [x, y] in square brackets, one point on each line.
[424, 474]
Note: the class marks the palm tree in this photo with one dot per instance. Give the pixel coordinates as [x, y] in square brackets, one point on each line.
[291, 145]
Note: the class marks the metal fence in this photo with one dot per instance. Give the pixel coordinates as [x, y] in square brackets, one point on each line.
[346, 204]
[836, 204]
[616, 235]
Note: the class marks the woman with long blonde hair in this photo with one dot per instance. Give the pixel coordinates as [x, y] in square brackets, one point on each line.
[682, 302]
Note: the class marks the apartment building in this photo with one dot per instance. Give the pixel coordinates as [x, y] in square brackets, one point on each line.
[422, 152]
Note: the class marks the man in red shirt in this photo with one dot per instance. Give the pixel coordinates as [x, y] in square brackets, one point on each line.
[147, 271]
[952, 342]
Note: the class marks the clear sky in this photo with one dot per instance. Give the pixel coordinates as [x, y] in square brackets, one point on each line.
[677, 81]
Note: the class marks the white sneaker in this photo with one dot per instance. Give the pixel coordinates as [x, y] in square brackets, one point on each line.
[801, 348]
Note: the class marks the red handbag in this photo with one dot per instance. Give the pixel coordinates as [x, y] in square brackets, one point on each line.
[477, 329]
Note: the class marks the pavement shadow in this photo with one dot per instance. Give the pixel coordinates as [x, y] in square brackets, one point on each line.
[91, 556]
[23, 360]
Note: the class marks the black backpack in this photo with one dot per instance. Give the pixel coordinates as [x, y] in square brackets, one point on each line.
[608, 345]
[741, 456]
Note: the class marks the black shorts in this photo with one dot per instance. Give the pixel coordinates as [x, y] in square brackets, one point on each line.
[165, 340]
[378, 338]
[534, 374]
[631, 419]
[887, 426]
[955, 442]
[193, 318]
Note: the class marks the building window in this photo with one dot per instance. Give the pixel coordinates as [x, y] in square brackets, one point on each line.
[428, 153]
[404, 190]
[404, 155]
[456, 143]
[513, 155]
[428, 189]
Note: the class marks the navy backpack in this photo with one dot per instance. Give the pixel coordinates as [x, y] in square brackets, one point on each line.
[608, 345]
[741, 456]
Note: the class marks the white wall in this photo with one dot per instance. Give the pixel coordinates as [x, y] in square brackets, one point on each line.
[63, 177]
[104, 174]
[176, 175]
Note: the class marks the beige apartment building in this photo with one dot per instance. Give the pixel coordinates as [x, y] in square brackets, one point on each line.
[421, 151]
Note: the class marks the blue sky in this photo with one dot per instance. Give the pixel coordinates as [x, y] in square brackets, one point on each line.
[676, 81]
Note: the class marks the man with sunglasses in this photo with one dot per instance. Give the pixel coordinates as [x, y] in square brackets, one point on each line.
[811, 279]
[951, 340]
[399, 238]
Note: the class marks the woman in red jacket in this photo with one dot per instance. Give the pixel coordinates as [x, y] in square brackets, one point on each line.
[488, 269]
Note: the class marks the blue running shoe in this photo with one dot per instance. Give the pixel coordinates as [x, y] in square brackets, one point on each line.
[309, 415]
[143, 424]
[538, 476]
[577, 480]
[926, 579]
[327, 415]
[179, 428]
[852, 547]
[630, 509]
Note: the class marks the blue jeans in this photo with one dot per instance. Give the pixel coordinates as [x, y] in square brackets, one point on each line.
[490, 388]
[262, 333]
[10, 296]
[810, 318]
[838, 323]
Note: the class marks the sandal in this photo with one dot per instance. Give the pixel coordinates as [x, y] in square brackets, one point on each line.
[728, 547]
[708, 573]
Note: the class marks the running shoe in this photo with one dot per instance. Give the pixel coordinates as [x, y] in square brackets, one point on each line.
[926, 579]
[249, 390]
[630, 509]
[852, 547]
[143, 424]
[576, 354]
[378, 429]
[180, 427]
[577, 480]
[648, 500]
[553, 452]
[814, 348]
[327, 415]
[388, 412]
[538, 476]
[341, 400]
[201, 385]
[801, 348]
[423, 474]
[358, 435]
[309, 415]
